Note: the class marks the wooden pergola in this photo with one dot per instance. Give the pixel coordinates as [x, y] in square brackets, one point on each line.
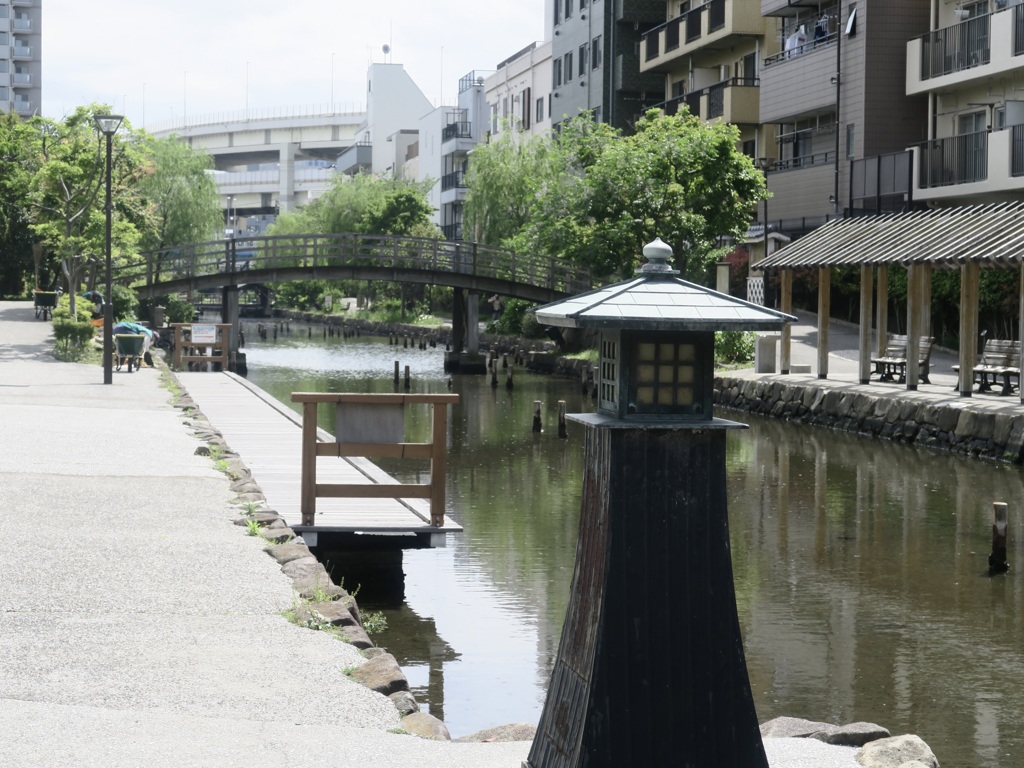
[965, 238]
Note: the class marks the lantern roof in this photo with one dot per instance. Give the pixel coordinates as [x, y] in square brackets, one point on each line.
[657, 300]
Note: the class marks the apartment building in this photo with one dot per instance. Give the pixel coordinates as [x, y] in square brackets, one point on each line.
[518, 92]
[969, 66]
[710, 55]
[595, 59]
[21, 60]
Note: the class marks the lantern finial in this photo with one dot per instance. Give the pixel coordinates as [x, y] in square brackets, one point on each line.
[657, 254]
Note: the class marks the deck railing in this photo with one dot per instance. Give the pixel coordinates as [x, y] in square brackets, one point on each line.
[372, 426]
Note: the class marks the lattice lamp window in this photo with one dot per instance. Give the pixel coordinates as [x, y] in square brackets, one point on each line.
[608, 391]
[670, 374]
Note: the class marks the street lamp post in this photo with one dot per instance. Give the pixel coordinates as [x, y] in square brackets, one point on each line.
[108, 125]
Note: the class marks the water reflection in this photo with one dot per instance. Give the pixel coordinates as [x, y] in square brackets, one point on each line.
[860, 565]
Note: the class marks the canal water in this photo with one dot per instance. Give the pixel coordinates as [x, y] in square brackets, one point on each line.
[860, 566]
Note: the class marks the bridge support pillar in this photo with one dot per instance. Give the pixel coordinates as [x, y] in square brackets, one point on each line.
[229, 314]
[473, 323]
[458, 320]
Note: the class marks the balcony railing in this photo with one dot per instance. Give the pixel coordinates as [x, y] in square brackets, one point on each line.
[1018, 30]
[716, 15]
[952, 49]
[806, 161]
[693, 24]
[959, 159]
[799, 50]
[458, 130]
[1017, 149]
[22, 78]
[452, 231]
[715, 94]
[454, 180]
[21, 25]
[22, 52]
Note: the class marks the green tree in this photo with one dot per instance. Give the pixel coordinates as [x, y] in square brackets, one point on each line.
[676, 178]
[19, 147]
[180, 197]
[65, 193]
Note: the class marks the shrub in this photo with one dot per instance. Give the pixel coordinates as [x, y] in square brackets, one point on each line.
[72, 339]
[734, 346]
[83, 308]
[126, 303]
[178, 309]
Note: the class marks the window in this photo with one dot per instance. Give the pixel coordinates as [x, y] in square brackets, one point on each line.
[556, 72]
[540, 110]
[527, 102]
[558, 13]
[568, 9]
[583, 60]
[583, 4]
[595, 53]
[568, 66]
[849, 141]
[494, 118]
[504, 107]
[750, 68]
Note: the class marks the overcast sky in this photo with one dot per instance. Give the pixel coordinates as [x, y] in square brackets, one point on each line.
[158, 61]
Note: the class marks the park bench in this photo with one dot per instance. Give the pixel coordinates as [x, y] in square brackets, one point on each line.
[893, 362]
[1001, 360]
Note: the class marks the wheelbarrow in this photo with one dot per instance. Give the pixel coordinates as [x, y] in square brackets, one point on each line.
[128, 350]
[45, 301]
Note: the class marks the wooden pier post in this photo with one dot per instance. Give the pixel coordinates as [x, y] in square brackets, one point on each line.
[396, 372]
[494, 373]
[536, 416]
[408, 379]
[997, 560]
[562, 432]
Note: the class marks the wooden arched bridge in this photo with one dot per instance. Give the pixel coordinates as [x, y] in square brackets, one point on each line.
[393, 258]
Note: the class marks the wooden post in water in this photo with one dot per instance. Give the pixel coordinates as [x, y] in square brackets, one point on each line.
[508, 378]
[536, 416]
[562, 432]
[997, 560]
[408, 379]
[493, 363]
[396, 373]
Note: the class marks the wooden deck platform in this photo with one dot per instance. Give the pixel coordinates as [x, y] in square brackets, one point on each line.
[267, 435]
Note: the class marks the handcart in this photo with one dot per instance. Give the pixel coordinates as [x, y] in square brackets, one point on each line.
[128, 349]
[45, 301]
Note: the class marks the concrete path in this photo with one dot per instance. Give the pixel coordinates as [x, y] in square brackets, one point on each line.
[140, 627]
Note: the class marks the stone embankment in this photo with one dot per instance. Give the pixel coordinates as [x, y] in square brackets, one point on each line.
[946, 426]
[323, 605]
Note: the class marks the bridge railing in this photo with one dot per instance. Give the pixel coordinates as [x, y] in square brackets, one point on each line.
[276, 252]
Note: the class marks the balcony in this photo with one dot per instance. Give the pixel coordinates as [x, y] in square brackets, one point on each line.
[23, 79]
[21, 24]
[21, 52]
[970, 165]
[709, 27]
[977, 49]
[732, 101]
[798, 84]
[355, 159]
[452, 231]
[454, 180]
[458, 130]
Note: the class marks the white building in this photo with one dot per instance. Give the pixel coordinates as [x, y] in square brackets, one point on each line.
[21, 56]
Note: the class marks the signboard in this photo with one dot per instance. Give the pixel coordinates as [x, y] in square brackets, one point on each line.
[204, 334]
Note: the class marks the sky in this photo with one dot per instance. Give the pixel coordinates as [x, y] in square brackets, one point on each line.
[157, 62]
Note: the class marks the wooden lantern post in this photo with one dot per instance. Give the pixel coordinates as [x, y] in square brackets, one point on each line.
[650, 670]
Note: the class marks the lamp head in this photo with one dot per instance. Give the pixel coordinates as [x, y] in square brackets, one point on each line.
[108, 124]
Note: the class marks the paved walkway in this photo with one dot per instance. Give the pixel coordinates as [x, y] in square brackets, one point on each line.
[140, 627]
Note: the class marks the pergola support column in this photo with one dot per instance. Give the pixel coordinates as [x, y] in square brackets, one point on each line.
[969, 281]
[824, 309]
[882, 311]
[865, 324]
[786, 298]
[917, 279]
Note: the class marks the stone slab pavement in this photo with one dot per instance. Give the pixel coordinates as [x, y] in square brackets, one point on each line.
[140, 626]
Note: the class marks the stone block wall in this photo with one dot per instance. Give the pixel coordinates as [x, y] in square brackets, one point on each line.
[944, 426]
